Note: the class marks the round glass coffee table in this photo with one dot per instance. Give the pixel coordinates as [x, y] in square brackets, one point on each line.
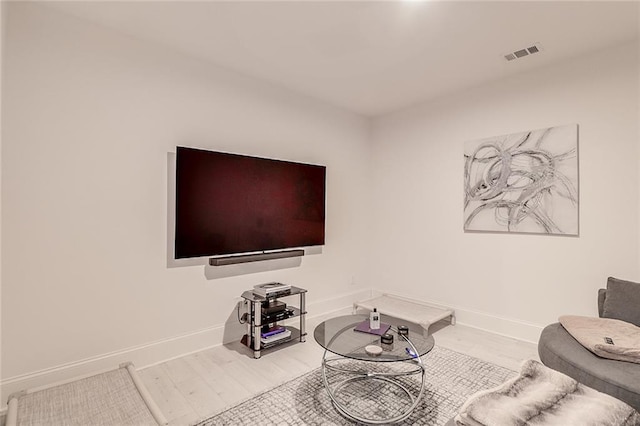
[356, 371]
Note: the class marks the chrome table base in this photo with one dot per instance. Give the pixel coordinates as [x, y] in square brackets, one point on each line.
[372, 379]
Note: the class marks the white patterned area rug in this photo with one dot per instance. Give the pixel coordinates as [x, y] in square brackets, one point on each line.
[451, 377]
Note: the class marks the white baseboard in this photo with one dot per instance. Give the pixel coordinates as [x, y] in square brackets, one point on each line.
[159, 351]
[509, 327]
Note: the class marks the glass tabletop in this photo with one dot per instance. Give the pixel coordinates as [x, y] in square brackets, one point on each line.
[338, 335]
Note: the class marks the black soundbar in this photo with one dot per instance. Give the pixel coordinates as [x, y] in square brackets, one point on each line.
[244, 258]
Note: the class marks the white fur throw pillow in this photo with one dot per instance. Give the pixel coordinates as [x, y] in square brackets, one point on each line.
[542, 396]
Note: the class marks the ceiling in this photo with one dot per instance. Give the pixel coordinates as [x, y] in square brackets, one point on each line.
[371, 57]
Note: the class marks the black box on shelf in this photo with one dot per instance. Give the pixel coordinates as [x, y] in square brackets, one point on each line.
[273, 306]
[277, 316]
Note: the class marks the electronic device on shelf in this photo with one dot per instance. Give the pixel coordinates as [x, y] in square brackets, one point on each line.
[274, 289]
[273, 306]
[276, 337]
[270, 331]
[278, 316]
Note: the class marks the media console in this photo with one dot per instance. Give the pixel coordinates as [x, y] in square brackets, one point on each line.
[261, 314]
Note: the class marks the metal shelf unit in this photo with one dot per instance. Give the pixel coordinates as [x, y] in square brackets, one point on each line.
[256, 320]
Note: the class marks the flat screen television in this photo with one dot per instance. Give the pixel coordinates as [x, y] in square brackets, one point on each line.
[231, 204]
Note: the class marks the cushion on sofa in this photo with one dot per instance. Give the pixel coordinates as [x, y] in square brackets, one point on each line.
[622, 301]
[605, 337]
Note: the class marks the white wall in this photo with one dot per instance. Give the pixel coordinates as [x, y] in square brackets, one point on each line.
[90, 117]
[513, 284]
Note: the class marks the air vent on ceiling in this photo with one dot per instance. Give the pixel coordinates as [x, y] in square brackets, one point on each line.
[534, 48]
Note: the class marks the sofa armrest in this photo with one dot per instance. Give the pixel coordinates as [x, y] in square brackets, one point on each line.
[602, 295]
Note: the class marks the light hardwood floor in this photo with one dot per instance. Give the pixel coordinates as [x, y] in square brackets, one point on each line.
[201, 384]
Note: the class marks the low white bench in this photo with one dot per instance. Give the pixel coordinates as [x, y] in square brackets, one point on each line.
[420, 313]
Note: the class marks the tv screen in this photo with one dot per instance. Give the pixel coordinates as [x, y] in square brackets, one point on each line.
[230, 204]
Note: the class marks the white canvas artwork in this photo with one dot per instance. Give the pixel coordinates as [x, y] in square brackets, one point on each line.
[523, 182]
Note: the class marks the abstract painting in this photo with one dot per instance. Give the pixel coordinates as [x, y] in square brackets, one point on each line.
[523, 182]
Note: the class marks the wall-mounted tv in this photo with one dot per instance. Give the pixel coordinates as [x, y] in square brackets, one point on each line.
[230, 204]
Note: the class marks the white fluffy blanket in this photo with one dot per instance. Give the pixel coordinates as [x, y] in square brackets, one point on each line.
[607, 338]
[542, 396]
